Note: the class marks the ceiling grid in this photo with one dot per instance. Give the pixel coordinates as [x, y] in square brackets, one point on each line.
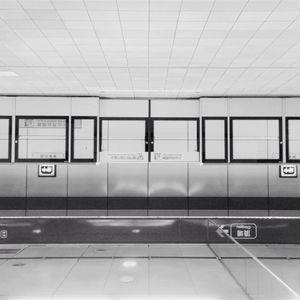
[150, 48]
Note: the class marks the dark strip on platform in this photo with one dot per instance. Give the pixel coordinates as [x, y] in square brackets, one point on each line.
[58, 230]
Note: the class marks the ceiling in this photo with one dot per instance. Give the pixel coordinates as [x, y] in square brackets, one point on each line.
[150, 48]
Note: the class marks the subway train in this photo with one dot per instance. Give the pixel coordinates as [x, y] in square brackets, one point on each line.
[213, 156]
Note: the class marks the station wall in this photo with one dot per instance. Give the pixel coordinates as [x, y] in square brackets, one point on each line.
[186, 187]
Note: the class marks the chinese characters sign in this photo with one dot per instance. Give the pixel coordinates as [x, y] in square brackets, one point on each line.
[239, 230]
[243, 230]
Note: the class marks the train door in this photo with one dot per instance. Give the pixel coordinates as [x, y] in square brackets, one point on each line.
[174, 139]
[123, 139]
[124, 147]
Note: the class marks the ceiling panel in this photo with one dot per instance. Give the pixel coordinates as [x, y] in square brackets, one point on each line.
[150, 48]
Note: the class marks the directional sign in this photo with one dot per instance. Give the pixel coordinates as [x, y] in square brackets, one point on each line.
[244, 231]
[223, 229]
[288, 171]
[47, 170]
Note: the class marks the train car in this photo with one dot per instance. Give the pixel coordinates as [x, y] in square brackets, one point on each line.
[220, 156]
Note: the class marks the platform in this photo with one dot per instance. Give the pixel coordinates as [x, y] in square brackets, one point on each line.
[181, 271]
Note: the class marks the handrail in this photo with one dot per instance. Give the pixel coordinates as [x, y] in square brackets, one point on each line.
[257, 260]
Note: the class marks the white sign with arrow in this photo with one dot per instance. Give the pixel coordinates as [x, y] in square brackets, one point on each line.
[47, 170]
[222, 230]
[245, 231]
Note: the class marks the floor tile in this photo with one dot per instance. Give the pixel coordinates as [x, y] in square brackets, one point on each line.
[33, 277]
[165, 250]
[87, 278]
[53, 251]
[212, 281]
[128, 276]
[196, 251]
[169, 276]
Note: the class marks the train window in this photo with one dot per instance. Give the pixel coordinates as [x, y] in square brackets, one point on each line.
[5, 139]
[41, 139]
[123, 137]
[293, 139]
[255, 139]
[214, 139]
[175, 139]
[83, 139]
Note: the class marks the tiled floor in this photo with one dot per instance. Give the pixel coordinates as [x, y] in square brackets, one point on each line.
[146, 271]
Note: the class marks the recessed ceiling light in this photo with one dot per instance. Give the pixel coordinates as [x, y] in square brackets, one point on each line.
[8, 74]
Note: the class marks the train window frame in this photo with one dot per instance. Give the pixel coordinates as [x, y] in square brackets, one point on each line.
[279, 160]
[215, 160]
[101, 119]
[151, 128]
[17, 159]
[8, 159]
[287, 146]
[73, 118]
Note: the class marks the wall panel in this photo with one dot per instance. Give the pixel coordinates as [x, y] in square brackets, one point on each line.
[13, 180]
[283, 187]
[175, 108]
[127, 180]
[123, 108]
[7, 106]
[47, 186]
[87, 180]
[207, 180]
[248, 180]
[43, 106]
[168, 180]
[255, 107]
[85, 106]
[127, 188]
[215, 107]
[292, 107]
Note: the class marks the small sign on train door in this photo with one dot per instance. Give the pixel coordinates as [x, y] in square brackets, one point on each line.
[288, 171]
[47, 170]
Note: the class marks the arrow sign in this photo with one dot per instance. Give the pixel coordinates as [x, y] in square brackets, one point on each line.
[243, 231]
[47, 170]
[288, 171]
[222, 230]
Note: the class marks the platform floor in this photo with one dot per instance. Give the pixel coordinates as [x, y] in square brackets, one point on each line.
[101, 271]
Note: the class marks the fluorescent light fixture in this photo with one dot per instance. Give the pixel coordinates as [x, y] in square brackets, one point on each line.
[8, 74]
[151, 91]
